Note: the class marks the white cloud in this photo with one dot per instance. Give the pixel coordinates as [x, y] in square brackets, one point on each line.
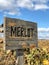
[11, 12]
[8, 7]
[4, 3]
[12, 6]
[43, 33]
[1, 35]
[33, 4]
[41, 7]
[25, 3]
[43, 29]
[40, 1]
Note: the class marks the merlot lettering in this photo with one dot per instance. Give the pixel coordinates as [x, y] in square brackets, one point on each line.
[21, 31]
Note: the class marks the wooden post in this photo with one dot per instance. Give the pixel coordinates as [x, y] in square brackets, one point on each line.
[20, 58]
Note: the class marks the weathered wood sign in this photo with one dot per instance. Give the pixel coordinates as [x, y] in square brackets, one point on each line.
[18, 32]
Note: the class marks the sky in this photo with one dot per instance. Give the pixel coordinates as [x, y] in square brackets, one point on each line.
[30, 10]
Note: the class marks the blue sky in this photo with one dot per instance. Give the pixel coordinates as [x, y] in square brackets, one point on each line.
[30, 10]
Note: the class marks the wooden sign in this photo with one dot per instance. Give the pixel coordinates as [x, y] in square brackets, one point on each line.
[18, 32]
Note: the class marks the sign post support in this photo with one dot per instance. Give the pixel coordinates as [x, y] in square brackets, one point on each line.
[20, 57]
[20, 60]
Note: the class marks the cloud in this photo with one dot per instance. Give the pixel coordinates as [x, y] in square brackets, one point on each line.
[43, 29]
[1, 35]
[8, 7]
[12, 7]
[11, 12]
[25, 4]
[43, 33]
[33, 4]
[41, 7]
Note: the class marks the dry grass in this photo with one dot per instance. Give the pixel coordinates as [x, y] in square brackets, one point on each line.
[44, 44]
[9, 59]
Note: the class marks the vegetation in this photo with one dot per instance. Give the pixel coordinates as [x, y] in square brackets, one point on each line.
[37, 56]
[7, 57]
